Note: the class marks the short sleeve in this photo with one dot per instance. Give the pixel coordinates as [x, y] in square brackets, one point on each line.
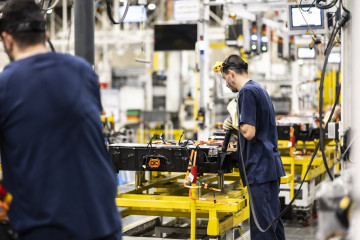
[247, 105]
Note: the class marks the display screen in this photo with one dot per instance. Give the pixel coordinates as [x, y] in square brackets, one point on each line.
[172, 37]
[306, 53]
[314, 17]
[334, 57]
[134, 14]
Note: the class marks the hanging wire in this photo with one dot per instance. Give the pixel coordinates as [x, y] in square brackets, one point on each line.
[109, 13]
[328, 6]
[137, 57]
[307, 10]
[314, 34]
[52, 6]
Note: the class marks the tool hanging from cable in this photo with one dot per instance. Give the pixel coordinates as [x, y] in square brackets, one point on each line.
[109, 13]
[141, 57]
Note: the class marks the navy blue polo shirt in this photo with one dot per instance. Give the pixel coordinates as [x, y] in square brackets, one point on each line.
[53, 156]
[262, 159]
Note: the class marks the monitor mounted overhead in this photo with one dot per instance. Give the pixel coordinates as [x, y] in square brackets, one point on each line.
[306, 53]
[335, 57]
[175, 37]
[304, 18]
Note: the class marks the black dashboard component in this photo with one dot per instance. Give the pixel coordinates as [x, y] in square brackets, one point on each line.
[302, 132]
[171, 158]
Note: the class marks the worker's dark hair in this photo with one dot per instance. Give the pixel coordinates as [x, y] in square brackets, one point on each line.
[235, 63]
[24, 20]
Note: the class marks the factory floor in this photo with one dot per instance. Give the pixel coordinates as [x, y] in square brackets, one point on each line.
[293, 230]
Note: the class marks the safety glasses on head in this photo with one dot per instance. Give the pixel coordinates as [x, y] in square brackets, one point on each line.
[225, 65]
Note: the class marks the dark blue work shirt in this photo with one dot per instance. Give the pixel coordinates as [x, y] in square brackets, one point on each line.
[261, 157]
[53, 156]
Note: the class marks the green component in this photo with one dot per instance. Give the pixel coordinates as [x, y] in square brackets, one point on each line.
[133, 112]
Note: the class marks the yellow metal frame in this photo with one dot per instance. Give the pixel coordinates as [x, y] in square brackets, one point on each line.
[299, 164]
[231, 208]
[295, 163]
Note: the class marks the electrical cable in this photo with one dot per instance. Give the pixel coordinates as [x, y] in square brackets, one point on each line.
[348, 147]
[51, 45]
[108, 10]
[52, 6]
[314, 34]
[345, 9]
[252, 210]
[330, 5]
[192, 162]
[321, 103]
[308, 10]
[328, 49]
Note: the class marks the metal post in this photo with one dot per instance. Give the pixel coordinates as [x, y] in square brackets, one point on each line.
[295, 72]
[52, 25]
[84, 29]
[64, 23]
[193, 213]
[221, 181]
[204, 67]
[354, 53]
[138, 179]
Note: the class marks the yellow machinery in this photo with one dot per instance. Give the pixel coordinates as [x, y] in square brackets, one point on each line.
[169, 197]
[296, 161]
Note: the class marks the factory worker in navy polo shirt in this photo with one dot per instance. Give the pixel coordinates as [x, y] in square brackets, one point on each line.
[259, 139]
[54, 160]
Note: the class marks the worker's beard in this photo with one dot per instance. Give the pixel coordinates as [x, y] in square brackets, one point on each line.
[232, 87]
[9, 52]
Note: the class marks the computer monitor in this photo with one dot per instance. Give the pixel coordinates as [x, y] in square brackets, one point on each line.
[175, 37]
[314, 18]
[334, 57]
[306, 53]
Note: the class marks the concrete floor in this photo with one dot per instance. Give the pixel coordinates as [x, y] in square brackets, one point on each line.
[293, 230]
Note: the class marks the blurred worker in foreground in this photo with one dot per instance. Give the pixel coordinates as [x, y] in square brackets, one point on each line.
[54, 160]
[259, 140]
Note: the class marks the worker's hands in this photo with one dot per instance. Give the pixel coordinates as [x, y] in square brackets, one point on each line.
[232, 109]
[227, 126]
